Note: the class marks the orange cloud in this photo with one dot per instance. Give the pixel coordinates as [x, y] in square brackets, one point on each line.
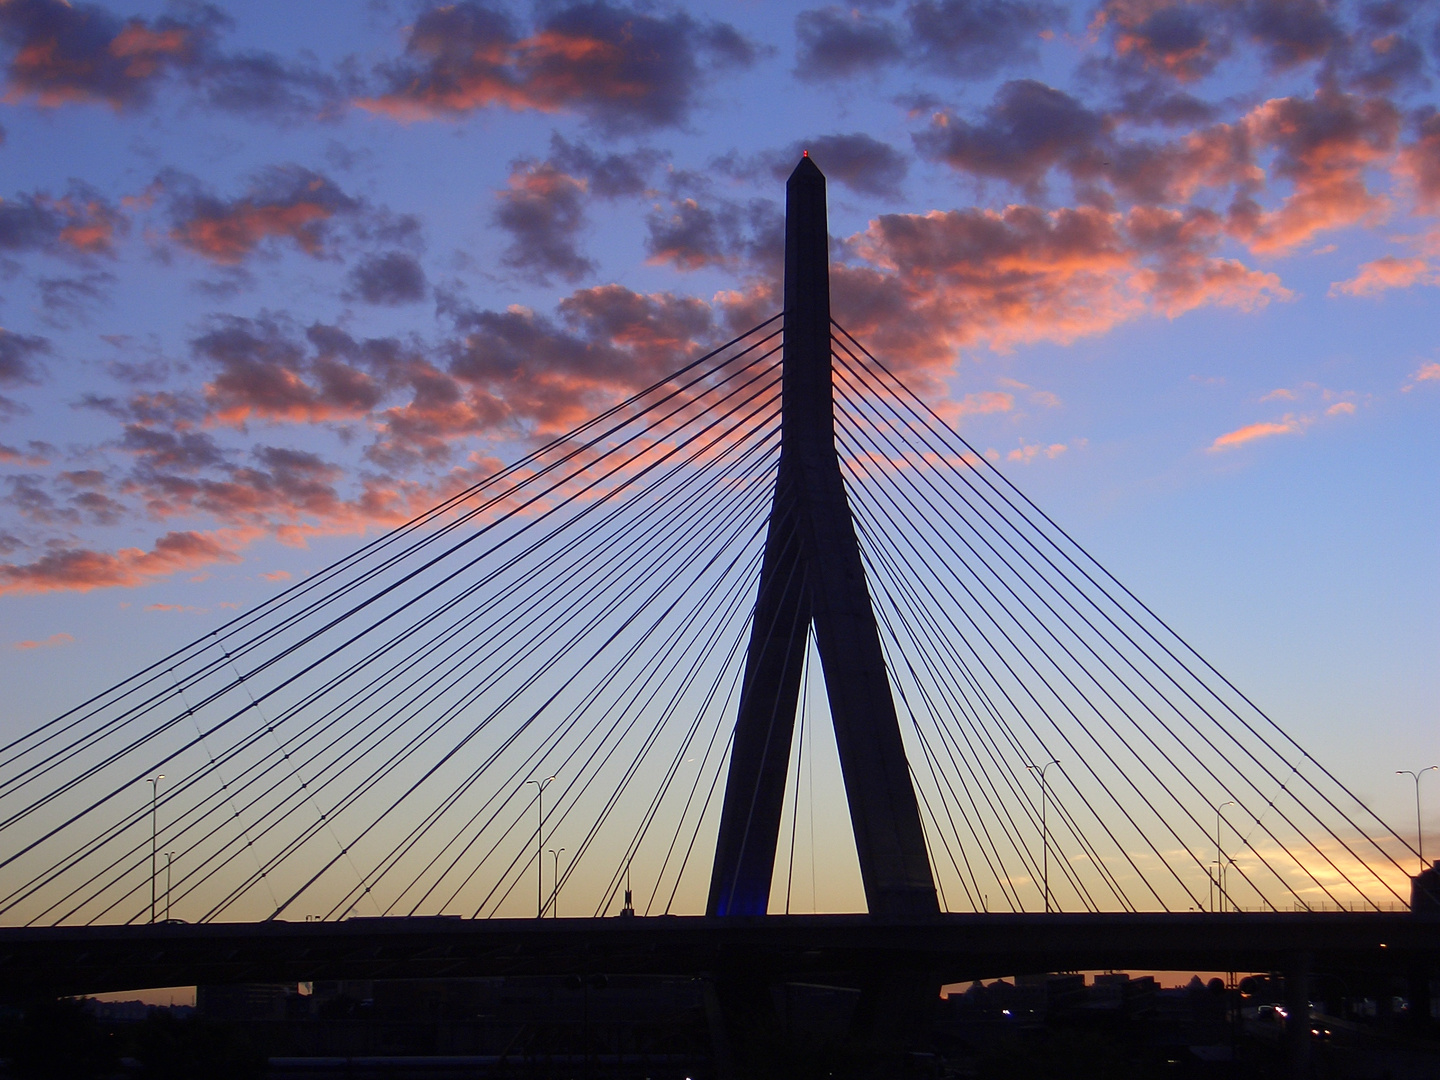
[1341, 408]
[1387, 272]
[80, 570]
[1251, 432]
[186, 609]
[277, 575]
[45, 643]
[1323, 146]
[939, 281]
[625, 68]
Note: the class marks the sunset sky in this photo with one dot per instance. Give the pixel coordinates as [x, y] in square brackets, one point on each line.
[276, 276]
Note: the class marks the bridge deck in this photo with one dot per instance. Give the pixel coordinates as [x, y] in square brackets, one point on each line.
[956, 947]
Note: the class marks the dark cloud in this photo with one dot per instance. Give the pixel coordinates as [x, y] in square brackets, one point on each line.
[67, 300]
[82, 569]
[607, 175]
[263, 372]
[17, 358]
[261, 84]
[189, 451]
[284, 202]
[391, 278]
[709, 230]
[63, 53]
[79, 222]
[623, 67]
[966, 39]
[1186, 41]
[839, 43]
[545, 375]
[1292, 31]
[976, 38]
[1029, 129]
[858, 161]
[543, 210]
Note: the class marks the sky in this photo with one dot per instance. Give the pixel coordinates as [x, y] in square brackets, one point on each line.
[275, 277]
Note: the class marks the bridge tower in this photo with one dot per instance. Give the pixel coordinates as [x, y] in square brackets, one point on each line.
[812, 574]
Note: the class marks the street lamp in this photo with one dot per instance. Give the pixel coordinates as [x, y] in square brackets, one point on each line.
[555, 894]
[1419, 830]
[540, 786]
[1039, 770]
[154, 837]
[1220, 857]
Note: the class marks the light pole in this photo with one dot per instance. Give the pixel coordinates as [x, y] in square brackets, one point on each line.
[154, 837]
[555, 893]
[1039, 770]
[540, 786]
[1220, 857]
[1419, 829]
[169, 858]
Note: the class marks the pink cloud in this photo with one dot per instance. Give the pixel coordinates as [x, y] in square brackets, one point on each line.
[1387, 272]
[81, 569]
[45, 643]
[1251, 432]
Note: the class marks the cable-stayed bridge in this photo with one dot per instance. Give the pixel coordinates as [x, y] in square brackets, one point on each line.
[636, 671]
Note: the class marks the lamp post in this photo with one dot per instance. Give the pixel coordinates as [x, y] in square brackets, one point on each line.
[154, 837]
[555, 893]
[540, 786]
[1039, 770]
[1220, 857]
[1419, 829]
[169, 858]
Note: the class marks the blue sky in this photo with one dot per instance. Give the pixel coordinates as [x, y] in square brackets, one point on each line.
[273, 277]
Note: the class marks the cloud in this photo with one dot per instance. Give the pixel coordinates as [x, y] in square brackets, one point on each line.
[622, 67]
[608, 176]
[79, 222]
[277, 575]
[64, 53]
[392, 278]
[705, 229]
[1028, 129]
[543, 210]
[1185, 41]
[1322, 145]
[861, 163]
[932, 283]
[1263, 430]
[1429, 372]
[67, 300]
[531, 373]
[284, 202]
[50, 642]
[1341, 408]
[263, 372]
[83, 569]
[965, 39]
[1387, 272]
[840, 43]
[17, 358]
[985, 401]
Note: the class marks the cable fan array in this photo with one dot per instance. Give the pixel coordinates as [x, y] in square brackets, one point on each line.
[359, 745]
[551, 660]
[1009, 648]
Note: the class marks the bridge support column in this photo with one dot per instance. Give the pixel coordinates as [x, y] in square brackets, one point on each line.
[813, 573]
[1297, 1022]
